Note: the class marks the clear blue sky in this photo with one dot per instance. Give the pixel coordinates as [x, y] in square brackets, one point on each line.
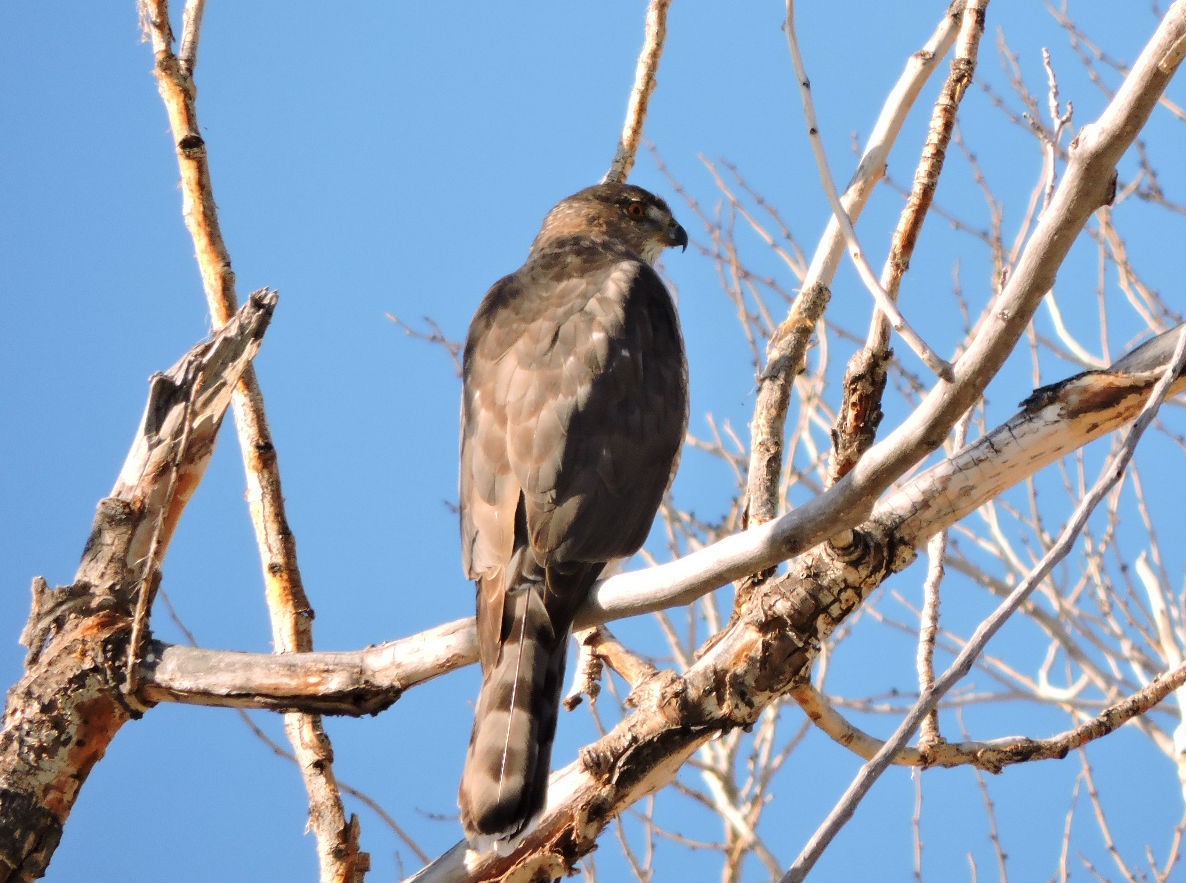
[376, 158]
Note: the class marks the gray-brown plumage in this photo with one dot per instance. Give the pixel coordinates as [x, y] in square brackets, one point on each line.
[574, 409]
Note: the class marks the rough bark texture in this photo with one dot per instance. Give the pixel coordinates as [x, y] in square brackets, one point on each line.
[784, 361]
[860, 411]
[62, 714]
[59, 720]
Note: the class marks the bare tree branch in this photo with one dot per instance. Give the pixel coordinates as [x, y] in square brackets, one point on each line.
[864, 380]
[992, 755]
[640, 95]
[783, 353]
[62, 714]
[338, 852]
[885, 303]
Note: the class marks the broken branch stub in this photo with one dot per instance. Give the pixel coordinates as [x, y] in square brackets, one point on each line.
[62, 714]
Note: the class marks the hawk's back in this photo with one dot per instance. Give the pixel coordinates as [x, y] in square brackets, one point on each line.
[574, 410]
[576, 397]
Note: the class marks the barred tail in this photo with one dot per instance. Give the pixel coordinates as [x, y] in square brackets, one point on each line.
[506, 770]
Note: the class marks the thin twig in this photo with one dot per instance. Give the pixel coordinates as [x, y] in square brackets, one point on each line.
[1102, 820]
[916, 827]
[929, 625]
[927, 631]
[435, 336]
[930, 165]
[994, 833]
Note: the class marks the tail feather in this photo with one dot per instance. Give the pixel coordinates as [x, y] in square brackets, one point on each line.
[506, 770]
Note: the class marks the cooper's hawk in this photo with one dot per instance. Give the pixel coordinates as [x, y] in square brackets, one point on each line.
[574, 409]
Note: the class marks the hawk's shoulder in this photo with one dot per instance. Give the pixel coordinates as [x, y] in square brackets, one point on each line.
[561, 276]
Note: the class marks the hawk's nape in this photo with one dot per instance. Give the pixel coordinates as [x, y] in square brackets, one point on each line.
[574, 409]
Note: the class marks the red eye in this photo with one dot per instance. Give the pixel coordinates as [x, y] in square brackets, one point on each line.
[634, 209]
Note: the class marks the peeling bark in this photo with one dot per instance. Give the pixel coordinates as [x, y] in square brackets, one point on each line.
[62, 714]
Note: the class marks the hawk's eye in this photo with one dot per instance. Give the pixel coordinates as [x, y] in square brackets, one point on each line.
[634, 209]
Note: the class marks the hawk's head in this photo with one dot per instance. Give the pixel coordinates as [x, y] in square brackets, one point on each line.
[627, 214]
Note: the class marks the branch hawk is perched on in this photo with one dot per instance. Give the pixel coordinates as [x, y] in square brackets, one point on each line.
[573, 412]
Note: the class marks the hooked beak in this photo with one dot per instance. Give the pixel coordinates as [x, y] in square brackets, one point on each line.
[677, 235]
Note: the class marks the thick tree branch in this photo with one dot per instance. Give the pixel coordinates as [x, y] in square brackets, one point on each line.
[62, 714]
[353, 683]
[1054, 421]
